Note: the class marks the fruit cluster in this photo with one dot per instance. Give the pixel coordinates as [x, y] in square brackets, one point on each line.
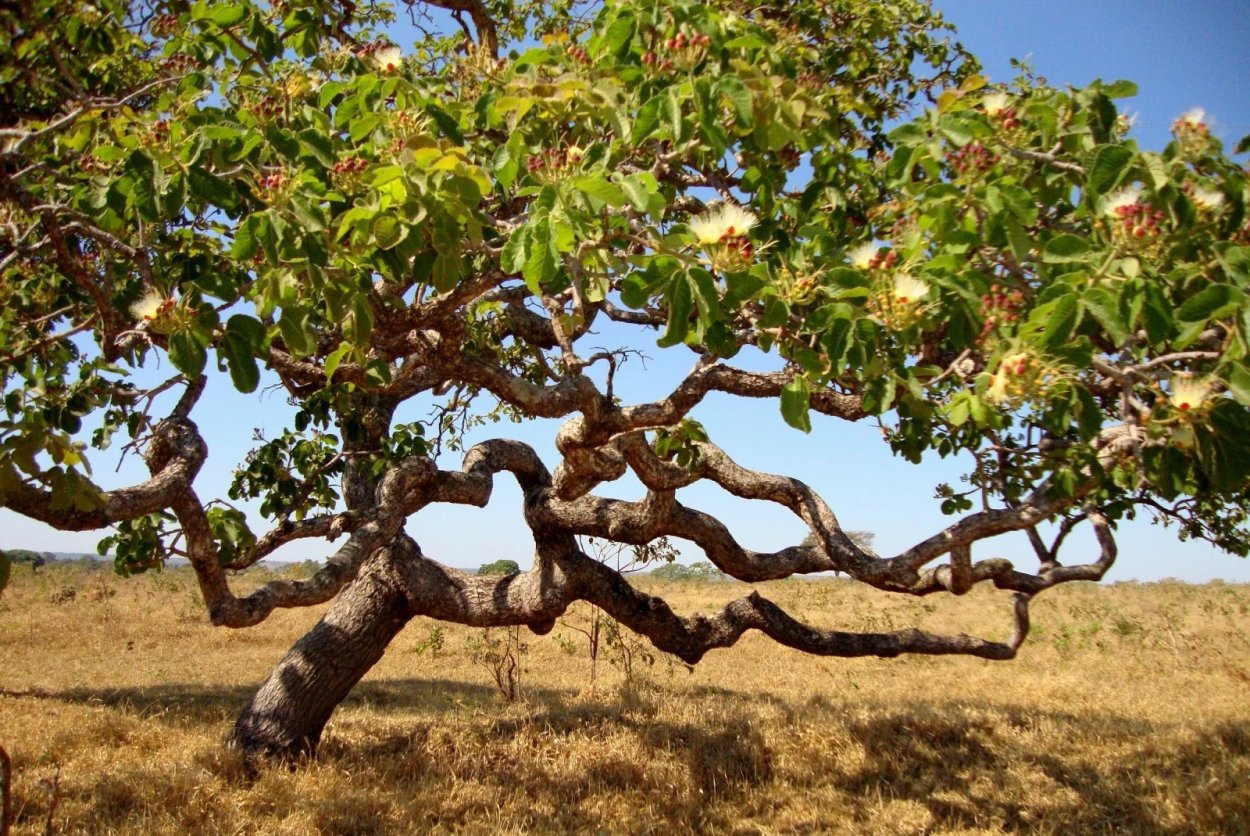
[790, 157]
[686, 49]
[1192, 134]
[156, 135]
[91, 164]
[179, 64]
[743, 248]
[550, 163]
[1139, 221]
[1006, 118]
[164, 25]
[1018, 376]
[999, 307]
[346, 173]
[973, 158]
[577, 53]
[270, 185]
[267, 109]
[883, 260]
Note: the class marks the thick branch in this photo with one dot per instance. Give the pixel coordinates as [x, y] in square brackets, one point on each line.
[174, 456]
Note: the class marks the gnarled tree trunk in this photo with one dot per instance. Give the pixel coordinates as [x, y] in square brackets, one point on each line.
[286, 716]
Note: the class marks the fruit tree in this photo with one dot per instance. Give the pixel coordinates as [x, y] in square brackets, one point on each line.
[819, 202]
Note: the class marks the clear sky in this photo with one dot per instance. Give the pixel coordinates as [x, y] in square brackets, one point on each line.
[1182, 54]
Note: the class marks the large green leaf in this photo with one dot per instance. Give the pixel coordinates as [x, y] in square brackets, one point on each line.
[1212, 301]
[1108, 168]
[795, 404]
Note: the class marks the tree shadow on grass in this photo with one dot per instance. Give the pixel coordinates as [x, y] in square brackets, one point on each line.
[204, 704]
[969, 765]
[974, 773]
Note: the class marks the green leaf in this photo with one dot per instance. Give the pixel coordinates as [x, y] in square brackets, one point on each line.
[795, 403]
[386, 231]
[1120, 89]
[1107, 169]
[540, 263]
[362, 126]
[680, 305]
[1016, 199]
[647, 120]
[1215, 300]
[228, 15]
[620, 33]
[336, 358]
[1102, 305]
[211, 189]
[1239, 384]
[512, 260]
[600, 189]
[739, 95]
[706, 297]
[186, 353]
[244, 373]
[296, 332]
[639, 189]
[249, 330]
[1055, 320]
[1064, 249]
[671, 109]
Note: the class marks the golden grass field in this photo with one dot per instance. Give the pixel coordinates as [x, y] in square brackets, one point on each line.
[1128, 711]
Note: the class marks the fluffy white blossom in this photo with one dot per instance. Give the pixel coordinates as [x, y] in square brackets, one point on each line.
[1188, 394]
[908, 289]
[863, 255]
[1207, 199]
[1117, 200]
[387, 59]
[995, 103]
[721, 222]
[1193, 116]
[149, 306]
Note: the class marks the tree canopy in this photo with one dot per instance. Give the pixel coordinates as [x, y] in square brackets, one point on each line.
[822, 203]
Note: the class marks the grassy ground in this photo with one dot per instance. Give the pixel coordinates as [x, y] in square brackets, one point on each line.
[1127, 712]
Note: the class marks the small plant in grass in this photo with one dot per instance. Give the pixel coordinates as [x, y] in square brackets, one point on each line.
[626, 649]
[499, 651]
[433, 642]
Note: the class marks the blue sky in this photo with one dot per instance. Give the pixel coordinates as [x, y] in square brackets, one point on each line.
[1182, 54]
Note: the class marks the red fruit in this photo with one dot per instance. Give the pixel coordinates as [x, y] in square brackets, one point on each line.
[648, 58]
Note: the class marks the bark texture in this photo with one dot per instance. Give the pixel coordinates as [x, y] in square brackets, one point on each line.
[286, 717]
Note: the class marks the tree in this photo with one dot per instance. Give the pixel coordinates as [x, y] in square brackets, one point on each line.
[702, 571]
[198, 195]
[500, 567]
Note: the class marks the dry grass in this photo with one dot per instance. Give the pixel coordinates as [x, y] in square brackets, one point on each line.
[1126, 713]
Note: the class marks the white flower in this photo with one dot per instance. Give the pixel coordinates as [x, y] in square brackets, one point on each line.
[1188, 394]
[908, 289]
[1117, 200]
[863, 255]
[726, 220]
[1194, 116]
[996, 103]
[387, 59]
[149, 306]
[1208, 199]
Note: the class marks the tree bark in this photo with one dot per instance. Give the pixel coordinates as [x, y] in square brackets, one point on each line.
[285, 718]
